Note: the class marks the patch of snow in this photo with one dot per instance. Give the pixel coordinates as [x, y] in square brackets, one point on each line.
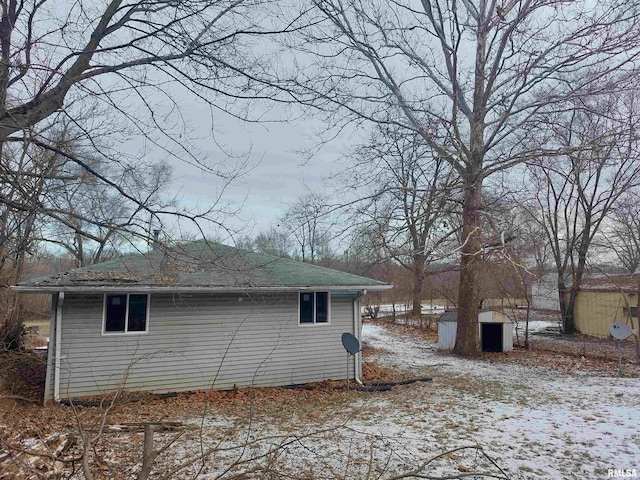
[536, 421]
[536, 326]
[386, 309]
[369, 329]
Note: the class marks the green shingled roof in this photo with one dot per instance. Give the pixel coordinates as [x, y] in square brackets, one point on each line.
[200, 265]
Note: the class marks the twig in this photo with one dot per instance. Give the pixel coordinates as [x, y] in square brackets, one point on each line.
[417, 473]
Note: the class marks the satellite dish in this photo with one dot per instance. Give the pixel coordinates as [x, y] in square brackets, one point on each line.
[619, 330]
[350, 343]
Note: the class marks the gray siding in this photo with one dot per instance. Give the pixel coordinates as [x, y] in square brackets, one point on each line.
[201, 341]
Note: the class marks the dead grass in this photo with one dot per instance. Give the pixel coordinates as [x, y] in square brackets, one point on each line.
[373, 372]
[585, 346]
[565, 362]
[368, 351]
[23, 376]
[280, 406]
[479, 387]
[42, 324]
[408, 327]
[33, 341]
[577, 345]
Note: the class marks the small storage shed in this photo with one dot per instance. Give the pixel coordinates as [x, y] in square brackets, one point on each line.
[604, 300]
[495, 328]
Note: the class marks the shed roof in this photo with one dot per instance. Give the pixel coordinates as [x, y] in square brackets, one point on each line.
[199, 266]
[452, 315]
[449, 316]
[611, 283]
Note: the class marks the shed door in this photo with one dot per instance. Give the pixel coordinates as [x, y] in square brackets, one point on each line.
[491, 336]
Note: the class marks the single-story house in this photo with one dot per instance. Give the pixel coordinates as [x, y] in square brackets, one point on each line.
[196, 316]
[604, 300]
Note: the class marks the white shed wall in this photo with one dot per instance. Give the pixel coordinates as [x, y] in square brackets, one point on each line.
[447, 335]
[492, 316]
[507, 337]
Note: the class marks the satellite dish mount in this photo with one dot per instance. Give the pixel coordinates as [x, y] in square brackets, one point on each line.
[352, 345]
[620, 331]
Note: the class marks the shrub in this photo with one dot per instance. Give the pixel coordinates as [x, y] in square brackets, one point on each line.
[11, 334]
[22, 375]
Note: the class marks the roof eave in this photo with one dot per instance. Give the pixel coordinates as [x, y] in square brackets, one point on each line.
[193, 289]
[609, 290]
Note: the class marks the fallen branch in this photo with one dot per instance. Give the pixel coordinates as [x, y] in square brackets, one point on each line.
[418, 472]
[142, 426]
[20, 397]
[368, 387]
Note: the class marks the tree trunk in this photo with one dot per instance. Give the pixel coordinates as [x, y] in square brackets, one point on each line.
[562, 297]
[569, 323]
[79, 251]
[148, 454]
[418, 282]
[637, 324]
[467, 336]
[568, 320]
[527, 345]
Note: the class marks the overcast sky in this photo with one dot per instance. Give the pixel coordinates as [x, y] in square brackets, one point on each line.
[278, 173]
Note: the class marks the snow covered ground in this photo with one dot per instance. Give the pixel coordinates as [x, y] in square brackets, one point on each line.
[536, 422]
[533, 422]
[537, 326]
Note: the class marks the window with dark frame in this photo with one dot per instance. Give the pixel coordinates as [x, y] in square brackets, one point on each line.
[125, 313]
[314, 307]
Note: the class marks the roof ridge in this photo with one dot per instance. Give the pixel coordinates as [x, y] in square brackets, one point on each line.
[201, 264]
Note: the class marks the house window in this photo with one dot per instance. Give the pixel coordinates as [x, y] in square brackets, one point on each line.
[126, 313]
[314, 307]
[634, 311]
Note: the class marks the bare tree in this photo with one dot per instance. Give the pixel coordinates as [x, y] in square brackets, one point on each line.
[533, 248]
[309, 223]
[96, 219]
[273, 241]
[111, 79]
[134, 63]
[467, 77]
[47, 198]
[576, 192]
[363, 252]
[124, 48]
[624, 234]
[410, 198]
[25, 178]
